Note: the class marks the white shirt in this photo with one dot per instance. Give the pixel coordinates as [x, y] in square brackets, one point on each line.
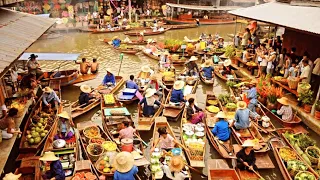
[161, 29]
[316, 69]
[244, 56]
[264, 62]
[306, 73]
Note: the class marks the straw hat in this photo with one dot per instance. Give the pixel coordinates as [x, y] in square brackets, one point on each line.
[123, 162]
[64, 114]
[221, 115]
[193, 58]
[47, 89]
[283, 101]
[176, 164]
[153, 77]
[227, 62]
[207, 63]
[109, 70]
[241, 105]
[11, 176]
[220, 38]
[141, 33]
[150, 92]
[49, 156]
[85, 88]
[145, 68]
[248, 143]
[149, 41]
[115, 37]
[178, 85]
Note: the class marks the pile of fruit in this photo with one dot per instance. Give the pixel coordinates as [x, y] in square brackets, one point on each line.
[91, 132]
[294, 166]
[213, 109]
[19, 104]
[109, 146]
[104, 165]
[287, 154]
[84, 176]
[304, 175]
[97, 140]
[251, 63]
[108, 99]
[213, 102]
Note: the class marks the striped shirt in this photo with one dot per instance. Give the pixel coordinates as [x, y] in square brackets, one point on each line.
[286, 113]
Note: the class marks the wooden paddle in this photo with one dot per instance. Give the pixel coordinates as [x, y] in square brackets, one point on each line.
[141, 139]
[196, 170]
[248, 167]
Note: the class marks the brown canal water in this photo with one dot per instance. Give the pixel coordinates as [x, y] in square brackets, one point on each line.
[90, 46]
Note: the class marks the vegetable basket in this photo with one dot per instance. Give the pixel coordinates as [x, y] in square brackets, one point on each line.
[293, 82]
[312, 158]
[91, 132]
[309, 174]
[92, 140]
[95, 150]
[303, 87]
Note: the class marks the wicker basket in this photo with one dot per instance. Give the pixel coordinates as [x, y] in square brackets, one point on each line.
[307, 172]
[87, 129]
[93, 146]
[313, 159]
[301, 90]
[293, 82]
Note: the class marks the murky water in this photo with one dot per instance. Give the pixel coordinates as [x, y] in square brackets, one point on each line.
[90, 46]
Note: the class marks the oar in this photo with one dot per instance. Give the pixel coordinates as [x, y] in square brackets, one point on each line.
[140, 139]
[196, 170]
[253, 170]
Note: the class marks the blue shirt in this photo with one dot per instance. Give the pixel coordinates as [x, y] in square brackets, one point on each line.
[56, 171]
[148, 110]
[116, 42]
[208, 72]
[126, 176]
[221, 129]
[108, 79]
[47, 98]
[132, 85]
[242, 118]
[177, 96]
[252, 95]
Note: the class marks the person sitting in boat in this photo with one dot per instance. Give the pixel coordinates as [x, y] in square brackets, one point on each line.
[154, 28]
[85, 97]
[207, 70]
[161, 29]
[49, 98]
[177, 94]
[220, 43]
[56, 171]
[131, 84]
[65, 125]
[149, 103]
[167, 142]
[209, 40]
[241, 117]
[124, 165]
[226, 68]
[126, 131]
[194, 113]
[140, 37]
[157, 85]
[198, 22]
[84, 66]
[8, 125]
[192, 67]
[246, 159]
[285, 112]
[127, 40]
[174, 169]
[94, 66]
[252, 96]
[145, 74]
[109, 79]
[222, 132]
[34, 66]
[116, 42]
[164, 60]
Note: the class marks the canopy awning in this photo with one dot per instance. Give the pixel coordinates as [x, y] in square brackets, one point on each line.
[51, 56]
[204, 8]
[301, 18]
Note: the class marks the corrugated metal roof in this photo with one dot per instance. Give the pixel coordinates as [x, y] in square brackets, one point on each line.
[282, 14]
[205, 8]
[51, 56]
[17, 32]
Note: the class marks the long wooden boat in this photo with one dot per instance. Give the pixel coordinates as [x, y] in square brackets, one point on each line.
[205, 81]
[181, 26]
[245, 175]
[83, 167]
[162, 122]
[109, 31]
[29, 168]
[134, 42]
[129, 50]
[219, 169]
[225, 79]
[145, 123]
[147, 33]
[202, 21]
[151, 55]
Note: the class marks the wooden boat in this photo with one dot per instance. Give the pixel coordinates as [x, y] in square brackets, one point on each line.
[109, 31]
[151, 55]
[29, 168]
[181, 26]
[147, 33]
[145, 123]
[218, 74]
[162, 122]
[202, 21]
[84, 166]
[134, 42]
[205, 81]
[128, 50]
[195, 159]
[127, 101]
[244, 175]
[219, 169]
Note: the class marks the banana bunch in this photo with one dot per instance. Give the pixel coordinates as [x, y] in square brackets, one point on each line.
[108, 99]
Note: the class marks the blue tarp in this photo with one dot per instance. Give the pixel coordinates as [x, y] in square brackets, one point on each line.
[51, 56]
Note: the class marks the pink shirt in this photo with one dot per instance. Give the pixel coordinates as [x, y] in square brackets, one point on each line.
[167, 143]
[127, 132]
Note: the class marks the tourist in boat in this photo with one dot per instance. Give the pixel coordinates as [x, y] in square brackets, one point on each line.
[65, 125]
[220, 43]
[131, 84]
[226, 68]
[252, 96]
[116, 42]
[85, 97]
[149, 102]
[84, 66]
[207, 70]
[157, 85]
[177, 94]
[166, 141]
[192, 67]
[94, 66]
[127, 40]
[8, 125]
[241, 117]
[56, 171]
[222, 131]
[246, 159]
[245, 37]
[194, 113]
[285, 112]
[124, 165]
[126, 131]
[34, 66]
[306, 72]
[109, 79]
[174, 169]
[49, 98]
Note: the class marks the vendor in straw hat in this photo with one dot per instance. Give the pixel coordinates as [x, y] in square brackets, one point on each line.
[192, 67]
[241, 117]
[174, 170]
[109, 79]
[252, 96]
[222, 132]
[207, 69]
[116, 42]
[286, 110]
[246, 159]
[34, 66]
[85, 97]
[154, 83]
[125, 168]
[226, 67]
[65, 130]
[50, 98]
[149, 103]
[56, 171]
[177, 94]
[146, 72]
[194, 113]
